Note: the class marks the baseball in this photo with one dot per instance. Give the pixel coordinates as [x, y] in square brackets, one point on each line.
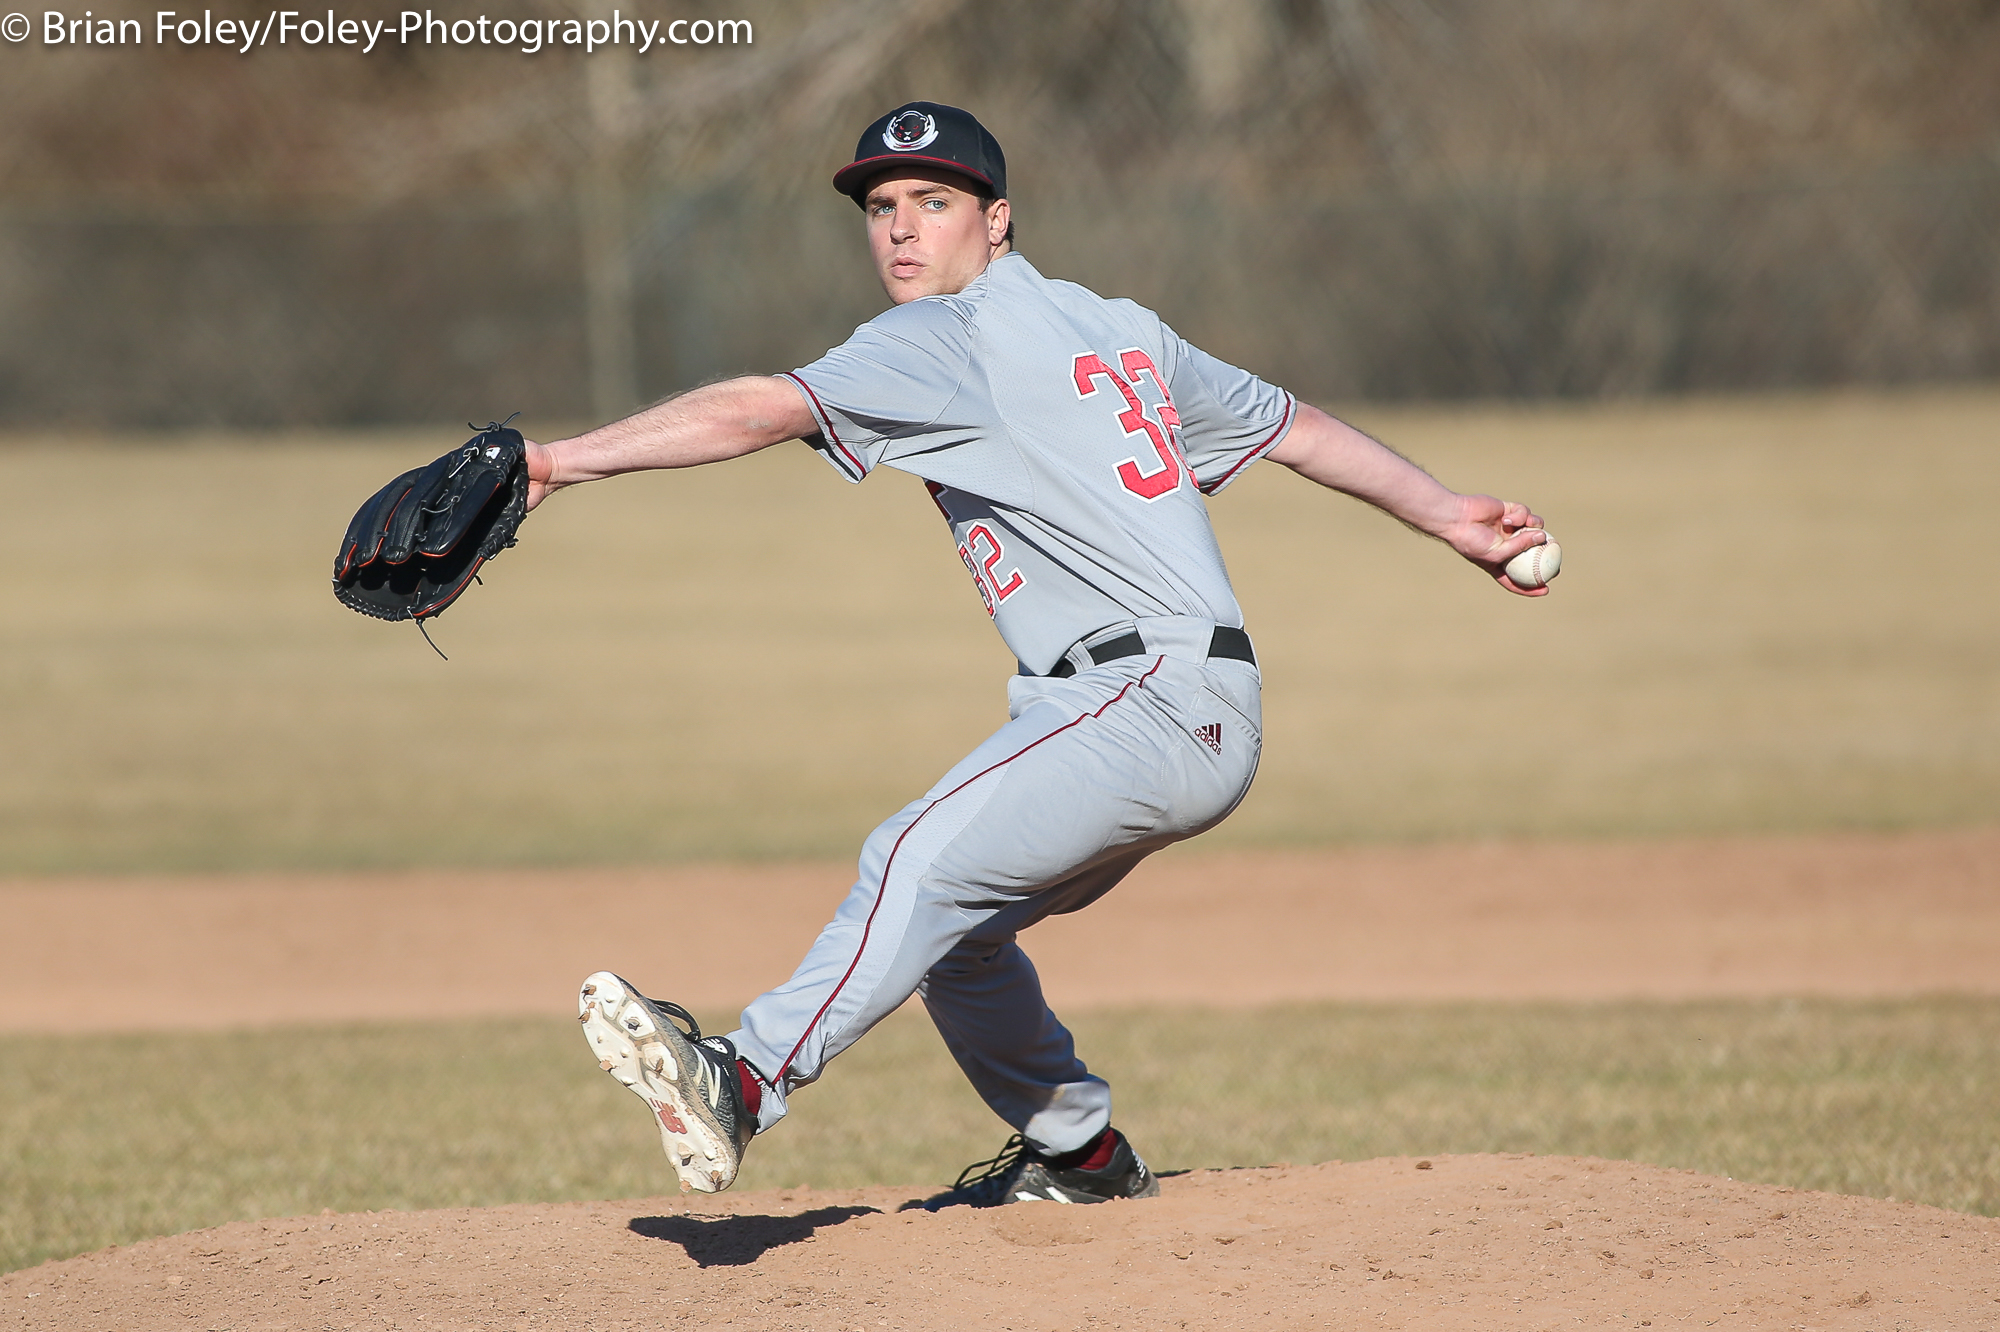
[1536, 565]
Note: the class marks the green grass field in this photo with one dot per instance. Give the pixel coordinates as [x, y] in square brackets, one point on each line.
[155, 1135]
[1775, 615]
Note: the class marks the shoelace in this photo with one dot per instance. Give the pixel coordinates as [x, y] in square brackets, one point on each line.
[467, 452]
[679, 1014]
[721, 1058]
[998, 1167]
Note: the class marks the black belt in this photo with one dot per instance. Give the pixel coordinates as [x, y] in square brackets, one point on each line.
[1225, 642]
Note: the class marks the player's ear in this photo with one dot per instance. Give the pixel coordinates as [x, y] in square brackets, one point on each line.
[999, 221]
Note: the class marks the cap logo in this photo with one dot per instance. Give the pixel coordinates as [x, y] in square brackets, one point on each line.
[910, 130]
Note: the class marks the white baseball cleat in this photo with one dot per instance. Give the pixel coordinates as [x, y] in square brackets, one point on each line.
[690, 1081]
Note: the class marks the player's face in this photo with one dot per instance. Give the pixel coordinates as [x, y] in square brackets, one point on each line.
[928, 234]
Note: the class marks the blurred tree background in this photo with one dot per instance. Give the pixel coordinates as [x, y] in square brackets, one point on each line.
[1381, 199]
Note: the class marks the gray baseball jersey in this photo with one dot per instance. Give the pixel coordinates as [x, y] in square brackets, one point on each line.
[1068, 439]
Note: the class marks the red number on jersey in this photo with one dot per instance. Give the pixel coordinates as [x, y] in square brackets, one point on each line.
[979, 534]
[992, 590]
[972, 567]
[1146, 485]
[1137, 363]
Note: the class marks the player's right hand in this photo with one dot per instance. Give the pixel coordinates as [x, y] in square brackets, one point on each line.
[1489, 532]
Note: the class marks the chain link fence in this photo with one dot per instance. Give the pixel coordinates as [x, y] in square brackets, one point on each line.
[1359, 198]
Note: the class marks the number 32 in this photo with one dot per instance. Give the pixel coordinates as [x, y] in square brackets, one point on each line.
[1148, 486]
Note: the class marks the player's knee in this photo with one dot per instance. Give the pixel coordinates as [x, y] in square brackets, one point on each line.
[967, 959]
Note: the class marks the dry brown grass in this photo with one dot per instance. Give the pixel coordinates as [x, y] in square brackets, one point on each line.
[1884, 1098]
[1775, 615]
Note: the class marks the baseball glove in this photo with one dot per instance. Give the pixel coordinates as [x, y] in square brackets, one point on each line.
[416, 545]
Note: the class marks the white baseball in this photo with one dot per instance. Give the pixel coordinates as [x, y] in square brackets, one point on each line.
[1536, 565]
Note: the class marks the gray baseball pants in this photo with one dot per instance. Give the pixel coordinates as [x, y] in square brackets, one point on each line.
[1092, 774]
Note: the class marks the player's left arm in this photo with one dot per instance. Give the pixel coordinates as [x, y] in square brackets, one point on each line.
[712, 423]
[1487, 531]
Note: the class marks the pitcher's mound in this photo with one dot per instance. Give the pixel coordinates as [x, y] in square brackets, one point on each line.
[1456, 1242]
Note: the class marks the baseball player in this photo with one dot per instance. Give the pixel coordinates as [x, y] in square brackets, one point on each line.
[1070, 443]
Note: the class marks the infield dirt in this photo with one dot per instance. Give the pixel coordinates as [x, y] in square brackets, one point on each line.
[1472, 1242]
[1832, 914]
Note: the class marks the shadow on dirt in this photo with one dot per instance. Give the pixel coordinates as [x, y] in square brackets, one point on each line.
[735, 1241]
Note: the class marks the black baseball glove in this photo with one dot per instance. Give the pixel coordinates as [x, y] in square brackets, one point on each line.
[417, 544]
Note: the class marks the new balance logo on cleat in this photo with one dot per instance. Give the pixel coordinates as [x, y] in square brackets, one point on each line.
[1210, 735]
[690, 1082]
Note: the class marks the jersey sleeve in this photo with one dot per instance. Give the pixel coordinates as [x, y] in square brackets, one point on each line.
[1229, 417]
[880, 395]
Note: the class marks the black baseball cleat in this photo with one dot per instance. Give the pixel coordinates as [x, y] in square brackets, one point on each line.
[689, 1080]
[1022, 1174]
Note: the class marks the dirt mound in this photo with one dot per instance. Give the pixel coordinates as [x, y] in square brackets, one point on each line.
[1458, 1242]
